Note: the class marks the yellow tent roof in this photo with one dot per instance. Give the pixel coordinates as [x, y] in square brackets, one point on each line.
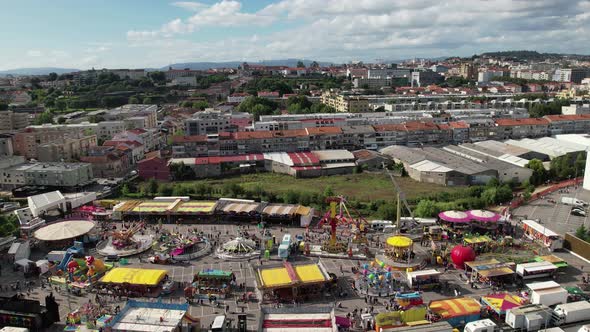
[148, 277]
[399, 241]
[456, 307]
[477, 239]
[279, 276]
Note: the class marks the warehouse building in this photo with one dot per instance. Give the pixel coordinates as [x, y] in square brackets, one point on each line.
[335, 161]
[505, 157]
[441, 167]
[548, 145]
[507, 172]
[512, 150]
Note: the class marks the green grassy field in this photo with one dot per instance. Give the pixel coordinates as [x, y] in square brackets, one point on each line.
[363, 187]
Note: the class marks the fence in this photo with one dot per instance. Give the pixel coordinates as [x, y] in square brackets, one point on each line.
[563, 184]
[577, 245]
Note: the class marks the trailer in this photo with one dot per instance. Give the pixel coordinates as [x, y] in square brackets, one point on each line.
[484, 325]
[573, 201]
[572, 312]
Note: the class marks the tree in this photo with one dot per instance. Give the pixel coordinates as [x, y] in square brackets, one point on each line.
[61, 120]
[45, 117]
[539, 175]
[580, 164]
[328, 192]
[426, 209]
[158, 76]
[182, 172]
[148, 100]
[300, 64]
[133, 100]
[582, 233]
[387, 211]
[291, 197]
[61, 104]
[3, 106]
[152, 186]
[164, 189]
[201, 104]
[52, 76]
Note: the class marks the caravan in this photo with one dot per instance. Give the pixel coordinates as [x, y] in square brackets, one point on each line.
[379, 225]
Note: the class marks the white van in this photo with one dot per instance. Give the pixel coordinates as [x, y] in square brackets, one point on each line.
[379, 225]
[573, 201]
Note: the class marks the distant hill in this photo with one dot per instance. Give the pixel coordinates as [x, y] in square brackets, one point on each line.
[36, 71]
[533, 55]
[235, 64]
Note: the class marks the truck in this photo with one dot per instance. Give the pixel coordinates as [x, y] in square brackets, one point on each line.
[573, 201]
[483, 325]
[572, 312]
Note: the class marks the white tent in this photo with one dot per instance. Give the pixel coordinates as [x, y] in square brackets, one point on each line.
[43, 265]
[24, 263]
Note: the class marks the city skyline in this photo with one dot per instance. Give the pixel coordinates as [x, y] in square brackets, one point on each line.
[133, 34]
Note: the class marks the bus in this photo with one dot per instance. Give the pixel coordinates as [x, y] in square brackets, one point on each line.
[218, 324]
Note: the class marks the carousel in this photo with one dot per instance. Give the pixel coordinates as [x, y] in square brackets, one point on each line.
[399, 254]
[127, 241]
[62, 233]
[376, 280]
[179, 247]
[239, 248]
[484, 220]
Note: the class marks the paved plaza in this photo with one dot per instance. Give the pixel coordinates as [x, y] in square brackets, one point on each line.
[245, 273]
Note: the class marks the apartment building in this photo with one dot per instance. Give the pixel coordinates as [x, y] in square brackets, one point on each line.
[109, 162]
[421, 78]
[467, 70]
[105, 130]
[134, 111]
[11, 121]
[59, 174]
[6, 148]
[151, 139]
[570, 124]
[67, 149]
[209, 121]
[345, 103]
[522, 128]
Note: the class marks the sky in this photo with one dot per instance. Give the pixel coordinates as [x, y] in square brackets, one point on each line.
[154, 33]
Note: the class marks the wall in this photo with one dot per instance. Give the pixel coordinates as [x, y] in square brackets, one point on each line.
[577, 245]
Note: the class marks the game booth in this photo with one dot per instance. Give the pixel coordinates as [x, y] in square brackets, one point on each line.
[480, 243]
[540, 233]
[558, 262]
[498, 304]
[287, 282]
[423, 279]
[211, 284]
[490, 271]
[133, 282]
[407, 300]
[412, 316]
[456, 311]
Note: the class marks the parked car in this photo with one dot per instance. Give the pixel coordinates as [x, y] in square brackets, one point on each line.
[578, 212]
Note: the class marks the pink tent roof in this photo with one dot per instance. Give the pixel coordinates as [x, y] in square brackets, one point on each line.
[483, 215]
[454, 216]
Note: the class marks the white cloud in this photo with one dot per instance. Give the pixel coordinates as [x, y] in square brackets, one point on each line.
[226, 13]
[189, 5]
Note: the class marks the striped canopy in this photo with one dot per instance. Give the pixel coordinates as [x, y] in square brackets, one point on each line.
[483, 215]
[454, 216]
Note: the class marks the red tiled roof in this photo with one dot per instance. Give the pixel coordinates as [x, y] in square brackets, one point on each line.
[303, 158]
[289, 133]
[137, 131]
[116, 142]
[390, 127]
[323, 130]
[459, 125]
[570, 117]
[186, 139]
[522, 122]
[252, 134]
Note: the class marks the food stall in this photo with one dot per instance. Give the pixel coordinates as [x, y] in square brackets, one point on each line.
[213, 283]
[424, 279]
[134, 281]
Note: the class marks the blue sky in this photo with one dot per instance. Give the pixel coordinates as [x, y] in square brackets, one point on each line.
[154, 33]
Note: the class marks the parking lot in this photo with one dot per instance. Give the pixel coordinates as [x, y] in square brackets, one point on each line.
[556, 216]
